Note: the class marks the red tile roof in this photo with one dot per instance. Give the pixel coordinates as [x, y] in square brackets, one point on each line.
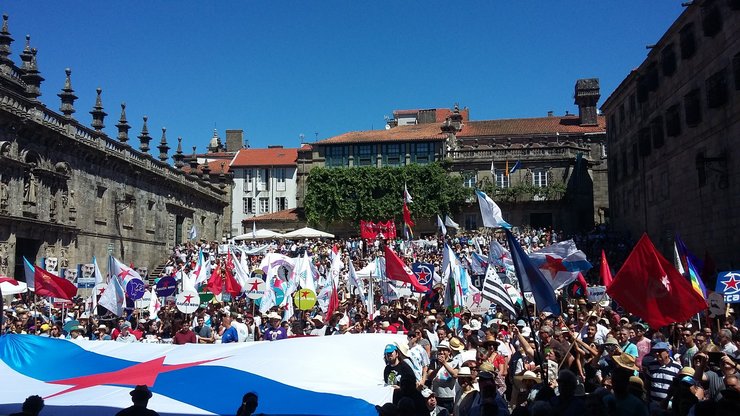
[293, 214]
[417, 132]
[526, 126]
[214, 165]
[273, 156]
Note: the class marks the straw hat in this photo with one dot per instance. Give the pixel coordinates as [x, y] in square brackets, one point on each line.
[456, 344]
[626, 361]
[464, 372]
[490, 339]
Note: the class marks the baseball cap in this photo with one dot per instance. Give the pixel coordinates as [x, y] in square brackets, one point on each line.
[660, 346]
[390, 348]
[426, 393]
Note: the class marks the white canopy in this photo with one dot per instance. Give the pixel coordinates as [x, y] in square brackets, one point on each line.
[261, 234]
[10, 289]
[307, 232]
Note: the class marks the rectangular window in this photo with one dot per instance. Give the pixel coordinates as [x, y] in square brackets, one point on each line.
[423, 153]
[337, 156]
[249, 205]
[656, 130]
[642, 89]
[643, 138]
[502, 179]
[470, 179]
[264, 205]
[692, 107]
[673, 121]
[279, 174]
[717, 89]
[651, 77]
[539, 178]
[635, 158]
[688, 41]
[668, 60]
[281, 203]
[711, 19]
[392, 155]
[364, 155]
[248, 180]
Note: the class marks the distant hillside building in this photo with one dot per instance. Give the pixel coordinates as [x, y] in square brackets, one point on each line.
[673, 129]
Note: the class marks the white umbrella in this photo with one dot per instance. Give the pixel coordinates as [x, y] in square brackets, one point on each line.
[261, 234]
[9, 289]
[307, 232]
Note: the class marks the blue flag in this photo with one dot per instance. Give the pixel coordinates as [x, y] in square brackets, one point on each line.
[531, 278]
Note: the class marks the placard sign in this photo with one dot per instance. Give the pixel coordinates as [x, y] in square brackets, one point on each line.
[187, 301]
[728, 284]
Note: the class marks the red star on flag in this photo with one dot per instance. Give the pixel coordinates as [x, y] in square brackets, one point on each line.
[553, 265]
[422, 275]
[304, 294]
[731, 283]
[124, 272]
[188, 298]
[137, 374]
[255, 286]
[102, 290]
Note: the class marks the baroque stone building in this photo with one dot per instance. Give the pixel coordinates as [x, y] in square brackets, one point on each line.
[69, 192]
[673, 128]
[560, 177]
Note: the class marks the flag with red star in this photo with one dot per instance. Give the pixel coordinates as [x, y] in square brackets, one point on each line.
[560, 263]
[649, 286]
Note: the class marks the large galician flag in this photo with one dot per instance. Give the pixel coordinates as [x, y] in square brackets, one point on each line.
[95, 378]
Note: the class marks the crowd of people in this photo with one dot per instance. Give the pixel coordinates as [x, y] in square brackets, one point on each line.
[593, 357]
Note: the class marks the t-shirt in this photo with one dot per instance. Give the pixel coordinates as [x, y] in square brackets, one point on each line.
[418, 359]
[204, 331]
[643, 350]
[660, 377]
[184, 338]
[229, 335]
[241, 330]
[274, 334]
[630, 348]
[393, 374]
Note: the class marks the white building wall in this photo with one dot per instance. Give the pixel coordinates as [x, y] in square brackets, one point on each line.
[246, 185]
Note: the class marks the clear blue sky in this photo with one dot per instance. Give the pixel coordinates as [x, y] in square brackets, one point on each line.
[277, 69]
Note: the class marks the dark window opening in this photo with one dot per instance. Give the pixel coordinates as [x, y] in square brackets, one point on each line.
[717, 89]
[643, 138]
[688, 42]
[668, 60]
[692, 107]
[711, 19]
[642, 90]
[651, 77]
[656, 130]
[673, 121]
[635, 158]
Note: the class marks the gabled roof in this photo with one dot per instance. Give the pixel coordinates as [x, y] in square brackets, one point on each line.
[528, 126]
[272, 156]
[214, 165]
[417, 132]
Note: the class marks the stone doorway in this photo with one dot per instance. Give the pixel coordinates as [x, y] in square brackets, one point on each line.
[28, 248]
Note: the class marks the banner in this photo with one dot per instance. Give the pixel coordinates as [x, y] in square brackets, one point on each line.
[181, 377]
[425, 273]
[370, 230]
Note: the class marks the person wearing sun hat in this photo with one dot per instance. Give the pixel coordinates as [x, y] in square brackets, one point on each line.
[444, 376]
[140, 396]
[626, 402]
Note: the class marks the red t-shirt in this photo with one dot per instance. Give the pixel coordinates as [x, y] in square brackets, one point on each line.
[184, 338]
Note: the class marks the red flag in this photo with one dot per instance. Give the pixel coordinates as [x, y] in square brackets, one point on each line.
[606, 272]
[650, 287]
[407, 215]
[396, 269]
[333, 303]
[215, 283]
[47, 284]
[232, 286]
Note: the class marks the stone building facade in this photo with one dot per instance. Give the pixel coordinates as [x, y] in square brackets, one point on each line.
[673, 129]
[69, 192]
[561, 161]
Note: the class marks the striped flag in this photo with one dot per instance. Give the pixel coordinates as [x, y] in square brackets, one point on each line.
[494, 291]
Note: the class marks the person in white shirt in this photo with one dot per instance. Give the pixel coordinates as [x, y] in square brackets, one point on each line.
[126, 335]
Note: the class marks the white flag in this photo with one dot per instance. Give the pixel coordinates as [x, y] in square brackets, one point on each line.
[407, 195]
[491, 213]
[441, 225]
[113, 297]
[450, 223]
[193, 233]
[154, 305]
[355, 282]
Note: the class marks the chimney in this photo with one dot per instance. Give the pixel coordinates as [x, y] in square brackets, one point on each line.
[234, 140]
[586, 96]
[549, 113]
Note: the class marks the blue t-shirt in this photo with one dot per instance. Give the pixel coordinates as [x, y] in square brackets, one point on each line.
[274, 334]
[230, 335]
[630, 349]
